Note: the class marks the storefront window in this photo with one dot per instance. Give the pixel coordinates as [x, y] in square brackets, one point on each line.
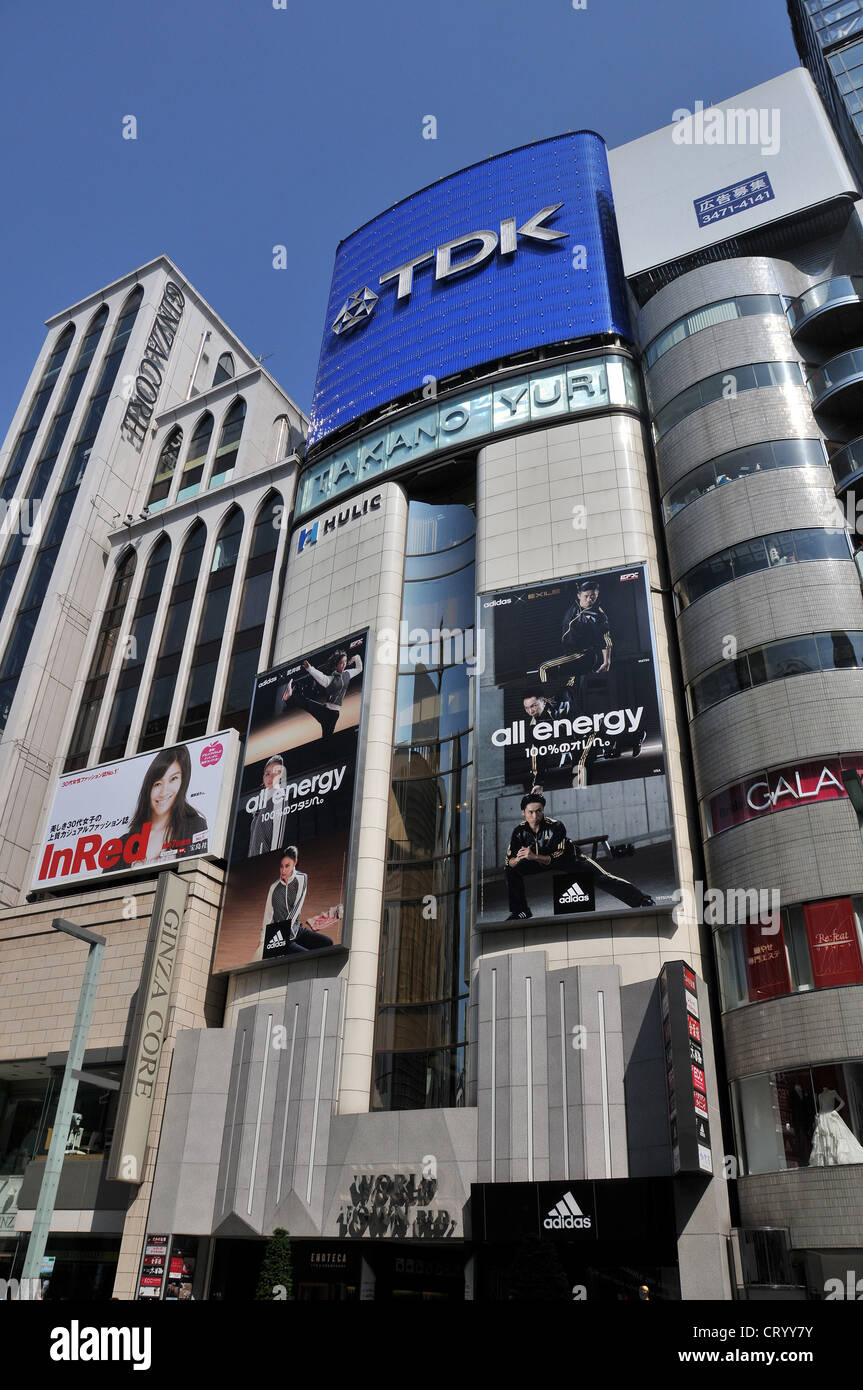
[808, 946]
[811, 1117]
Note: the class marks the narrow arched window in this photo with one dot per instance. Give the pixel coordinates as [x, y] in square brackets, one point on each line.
[211, 630]
[133, 652]
[173, 641]
[224, 369]
[21, 451]
[193, 468]
[165, 469]
[100, 666]
[50, 449]
[249, 633]
[229, 443]
[55, 526]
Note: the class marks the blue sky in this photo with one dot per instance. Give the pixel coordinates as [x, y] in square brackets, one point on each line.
[260, 126]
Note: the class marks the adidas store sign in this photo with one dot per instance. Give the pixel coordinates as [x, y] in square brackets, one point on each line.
[566, 1215]
[275, 942]
[575, 894]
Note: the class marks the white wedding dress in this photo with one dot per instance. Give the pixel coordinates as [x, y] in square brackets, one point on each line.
[832, 1141]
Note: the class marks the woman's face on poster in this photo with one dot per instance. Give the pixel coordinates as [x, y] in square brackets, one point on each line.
[163, 793]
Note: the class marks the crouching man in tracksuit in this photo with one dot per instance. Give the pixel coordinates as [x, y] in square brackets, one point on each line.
[538, 845]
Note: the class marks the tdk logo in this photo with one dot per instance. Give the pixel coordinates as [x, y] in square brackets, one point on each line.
[566, 1215]
[359, 306]
[309, 534]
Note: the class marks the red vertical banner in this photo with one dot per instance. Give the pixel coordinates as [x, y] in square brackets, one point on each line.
[834, 946]
[766, 961]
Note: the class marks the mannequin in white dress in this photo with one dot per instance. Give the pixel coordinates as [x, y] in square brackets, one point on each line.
[832, 1141]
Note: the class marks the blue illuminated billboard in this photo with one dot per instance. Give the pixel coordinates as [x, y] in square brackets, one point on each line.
[513, 254]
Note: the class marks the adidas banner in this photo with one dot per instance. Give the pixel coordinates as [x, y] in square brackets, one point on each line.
[573, 811]
[291, 854]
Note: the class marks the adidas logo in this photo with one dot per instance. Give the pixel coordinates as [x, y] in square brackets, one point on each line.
[274, 941]
[574, 894]
[567, 1215]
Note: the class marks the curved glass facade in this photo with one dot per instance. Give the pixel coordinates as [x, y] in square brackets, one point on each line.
[720, 311]
[809, 1117]
[742, 463]
[816, 945]
[761, 553]
[790, 656]
[726, 385]
[421, 1026]
[165, 470]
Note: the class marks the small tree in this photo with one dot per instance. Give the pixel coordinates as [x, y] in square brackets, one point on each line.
[276, 1280]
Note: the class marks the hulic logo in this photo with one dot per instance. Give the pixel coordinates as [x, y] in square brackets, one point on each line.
[567, 1215]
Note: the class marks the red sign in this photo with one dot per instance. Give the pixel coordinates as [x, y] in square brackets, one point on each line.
[698, 1080]
[694, 1027]
[766, 962]
[689, 980]
[800, 784]
[834, 946]
[700, 1102]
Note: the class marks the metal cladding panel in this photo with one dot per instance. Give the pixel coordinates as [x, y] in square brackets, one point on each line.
[716, 173]
[511, 302]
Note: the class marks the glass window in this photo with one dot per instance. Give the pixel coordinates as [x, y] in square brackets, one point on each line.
[721, 311]
[55, 527]
[811, 1117]
[134, 652]
[249, 636]
[724, 385]
[165, 470]
[224, 369]
[229, 443]
[158, 708]
[764, 552]
[211, 629]
[94, 686]
[193, 468]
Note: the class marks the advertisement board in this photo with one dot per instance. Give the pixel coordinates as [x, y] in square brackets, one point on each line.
[139, 813]
[726, 169]
[500, 258]
[290, 852]
[573, 809]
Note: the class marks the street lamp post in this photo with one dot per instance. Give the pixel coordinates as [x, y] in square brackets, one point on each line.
[68, 1092]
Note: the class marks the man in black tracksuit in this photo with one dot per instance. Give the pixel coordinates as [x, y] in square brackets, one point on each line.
[538, 845]
[327, 708]
[585, 638]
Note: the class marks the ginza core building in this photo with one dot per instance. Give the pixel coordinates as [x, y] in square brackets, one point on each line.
[463, 779]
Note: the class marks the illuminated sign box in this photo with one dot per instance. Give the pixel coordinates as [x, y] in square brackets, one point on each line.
[501, 258]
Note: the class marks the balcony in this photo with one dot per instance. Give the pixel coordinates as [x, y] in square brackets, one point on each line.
[829, 314]
[837, 387]
[847, 464]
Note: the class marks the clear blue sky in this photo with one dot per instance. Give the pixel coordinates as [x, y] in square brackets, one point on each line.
[259, 127]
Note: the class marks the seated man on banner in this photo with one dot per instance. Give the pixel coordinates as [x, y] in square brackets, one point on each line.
[538, 845]
[282, 932]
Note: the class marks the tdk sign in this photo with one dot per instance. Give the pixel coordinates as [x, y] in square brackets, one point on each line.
[506, 257]
[359, 307]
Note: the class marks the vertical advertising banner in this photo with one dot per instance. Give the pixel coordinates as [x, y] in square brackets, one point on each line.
[573, 809]
[290, 854]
